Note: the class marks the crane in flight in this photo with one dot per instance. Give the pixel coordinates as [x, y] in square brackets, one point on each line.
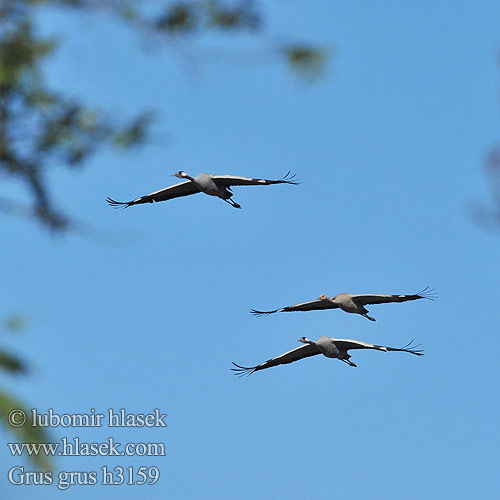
[351, 303]
[329, 347]
[213, 185]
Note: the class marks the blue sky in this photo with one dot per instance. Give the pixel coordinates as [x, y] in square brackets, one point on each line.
[390, 148]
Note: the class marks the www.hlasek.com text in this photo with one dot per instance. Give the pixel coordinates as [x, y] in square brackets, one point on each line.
[77, 448]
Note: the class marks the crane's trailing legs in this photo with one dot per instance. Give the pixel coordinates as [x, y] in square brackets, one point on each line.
[350, 363]
[232, 203]
[368, 317]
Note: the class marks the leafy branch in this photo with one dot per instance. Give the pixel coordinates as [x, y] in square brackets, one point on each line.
[41, 128]
[26, 433]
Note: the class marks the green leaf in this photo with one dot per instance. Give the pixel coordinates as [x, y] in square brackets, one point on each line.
[180, 17]
[15, 322]
[239, 15]
[87, 120]
[308, 62]
[11, 364]
[26, 433]
[134, 133]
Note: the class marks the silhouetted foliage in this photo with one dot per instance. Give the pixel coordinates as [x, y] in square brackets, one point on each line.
[488, 215]
[41, 128]
[26, 433]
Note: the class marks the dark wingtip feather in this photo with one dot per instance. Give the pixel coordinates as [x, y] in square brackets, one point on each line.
[428, 293]
[290, 179]
[243, 370]
[117, 204]
[261, 313]
[412, 348]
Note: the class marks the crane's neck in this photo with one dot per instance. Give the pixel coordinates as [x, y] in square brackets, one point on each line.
[187, 176]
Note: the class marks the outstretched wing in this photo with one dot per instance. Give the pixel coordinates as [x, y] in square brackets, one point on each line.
[234, 180]
[347, 344]
[313, 305]
[364, 299]
[176, 191]
[304, 351]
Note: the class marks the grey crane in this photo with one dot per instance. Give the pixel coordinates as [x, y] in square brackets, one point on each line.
[329, 347]
[351, 303]
[213, 185]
